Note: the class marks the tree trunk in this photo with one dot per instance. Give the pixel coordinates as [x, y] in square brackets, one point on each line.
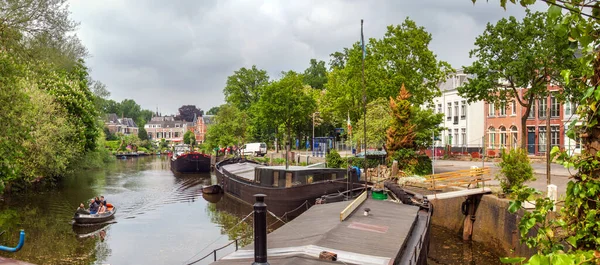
[524, 132]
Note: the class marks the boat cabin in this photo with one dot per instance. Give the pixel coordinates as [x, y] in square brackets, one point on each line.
[279, 176]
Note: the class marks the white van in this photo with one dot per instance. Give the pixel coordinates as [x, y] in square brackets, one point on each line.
[257, 149]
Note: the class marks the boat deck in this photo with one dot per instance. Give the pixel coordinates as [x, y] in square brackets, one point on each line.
[245, 170]
[374, 239]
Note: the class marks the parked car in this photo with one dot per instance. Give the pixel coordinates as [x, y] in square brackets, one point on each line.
[256, 149]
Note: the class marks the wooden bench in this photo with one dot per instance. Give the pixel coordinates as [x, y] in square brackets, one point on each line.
[455, 178]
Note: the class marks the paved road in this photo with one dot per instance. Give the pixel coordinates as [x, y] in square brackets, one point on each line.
[559, 174]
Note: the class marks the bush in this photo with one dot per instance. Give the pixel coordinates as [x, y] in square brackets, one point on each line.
[411, 162]
[515, 169]
[333, 159]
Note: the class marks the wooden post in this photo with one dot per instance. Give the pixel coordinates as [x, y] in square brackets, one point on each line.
[468, 223]
[394, 169]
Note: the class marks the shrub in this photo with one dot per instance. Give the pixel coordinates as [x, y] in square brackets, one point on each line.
[333, 159]
[515, 169]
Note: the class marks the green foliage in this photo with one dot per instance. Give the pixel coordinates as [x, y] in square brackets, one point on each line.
[189, 138]
[579, 217]
[142, 134]
[378, 121]
[516, 54]
[411, 162]
[426, 123]
[245, 87]
[316, 74]
[515, 169]
[229, 128]
[213, 111]
[333, 159]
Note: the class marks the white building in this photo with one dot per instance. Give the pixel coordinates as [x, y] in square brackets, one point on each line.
[464, 121]
[166, 127]
[572, 146]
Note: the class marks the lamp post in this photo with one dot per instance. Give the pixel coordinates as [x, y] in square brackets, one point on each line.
[313, 136]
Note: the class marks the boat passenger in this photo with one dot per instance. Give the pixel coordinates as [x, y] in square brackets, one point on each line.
[101, 208]
[81, 210]
[103, 200]
[93, 206]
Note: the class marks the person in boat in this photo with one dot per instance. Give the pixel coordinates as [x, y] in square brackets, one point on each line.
[94, 206]
[102, 201]
[101, 208]
[81, 210]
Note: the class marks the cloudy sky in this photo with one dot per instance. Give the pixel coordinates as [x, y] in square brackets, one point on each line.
[170, 53]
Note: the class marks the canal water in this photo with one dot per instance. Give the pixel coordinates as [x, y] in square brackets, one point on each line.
[161, 219]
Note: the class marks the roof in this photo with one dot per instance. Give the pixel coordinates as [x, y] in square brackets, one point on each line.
[373, 239]
[208, 119]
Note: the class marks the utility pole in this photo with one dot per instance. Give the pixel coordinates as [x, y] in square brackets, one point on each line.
[433, 154]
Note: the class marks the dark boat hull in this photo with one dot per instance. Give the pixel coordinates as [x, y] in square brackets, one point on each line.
[191, 163]
[290, 201]
[87, 219]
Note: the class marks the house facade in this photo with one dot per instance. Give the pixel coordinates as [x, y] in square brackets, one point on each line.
[201, 125]
[463, 121]
[125, 126]
[166, 127]
[572, 146]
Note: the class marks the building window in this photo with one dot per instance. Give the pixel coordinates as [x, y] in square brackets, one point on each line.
[177, 125]
[570, 108]
[554, 108]
[456, 134]
[491, 110]
[514, 107]
[502, 137]
[542, 139]
[463, 110]
[463, 133]
[554, 135]
[503, 109]
[492, 137]
[449, 114]
[439, 108]
[449, 137]
[542, 108]
[513, 136]
[532, 111]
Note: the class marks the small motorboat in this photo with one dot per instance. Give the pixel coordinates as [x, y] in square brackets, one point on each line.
[212, 189]
[87, 219]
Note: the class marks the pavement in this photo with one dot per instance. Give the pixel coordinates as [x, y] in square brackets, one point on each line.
[559, 175]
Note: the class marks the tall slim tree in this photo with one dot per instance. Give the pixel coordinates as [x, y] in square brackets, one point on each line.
[512, 55]
[400, 134]
[316, 74]
[245, 87]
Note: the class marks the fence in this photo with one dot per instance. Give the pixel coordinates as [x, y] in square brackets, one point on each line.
[476, 150]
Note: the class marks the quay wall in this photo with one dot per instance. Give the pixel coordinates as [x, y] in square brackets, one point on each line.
[493, 227]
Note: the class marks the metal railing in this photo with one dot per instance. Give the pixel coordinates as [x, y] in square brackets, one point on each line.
[214, 252]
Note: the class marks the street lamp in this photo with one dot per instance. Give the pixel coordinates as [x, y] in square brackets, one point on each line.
[313, 136]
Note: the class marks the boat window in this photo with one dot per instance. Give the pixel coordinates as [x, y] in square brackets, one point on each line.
[309, 179]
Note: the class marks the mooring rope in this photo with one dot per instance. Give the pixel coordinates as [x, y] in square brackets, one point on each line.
[226, 233]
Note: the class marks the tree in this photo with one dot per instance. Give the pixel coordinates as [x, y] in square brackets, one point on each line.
[576, 228]
[316, 74]
[378, 121]
[142, 133]
[245, 87]
[285, 103]
[188, 112]
[513, 55]
[189, 138]
[213, 110]
[400, 134]
[229, 128]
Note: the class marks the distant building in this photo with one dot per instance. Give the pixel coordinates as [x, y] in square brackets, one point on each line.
[572, 146]
[166, 127]
[202, 124]
[125, 126]
[464, 121]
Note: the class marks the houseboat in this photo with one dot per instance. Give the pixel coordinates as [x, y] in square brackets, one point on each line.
[184, 161]
[290, 191]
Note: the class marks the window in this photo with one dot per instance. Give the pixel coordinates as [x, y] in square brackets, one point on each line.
[449, 137]
[177, 125]
[463, 133]
[532, 111]
[449, 114]
[570, 108]
[514, 107]
[542, 139]
[503, 109]
[463, 110]
[439, 108]
[502, 137]
[513, 136]
[492, 137]
[455, 108]
[491, 110]
[554, 135]
[554, 108]
[542, 108]
[456, 134]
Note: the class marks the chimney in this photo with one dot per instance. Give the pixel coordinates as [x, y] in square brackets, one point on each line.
[260, 230]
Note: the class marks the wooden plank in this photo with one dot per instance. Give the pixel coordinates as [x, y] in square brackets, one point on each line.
[352, 206]
[459, 193]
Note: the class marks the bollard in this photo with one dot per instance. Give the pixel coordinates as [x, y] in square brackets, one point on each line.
[260, 230]
[553, 194]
